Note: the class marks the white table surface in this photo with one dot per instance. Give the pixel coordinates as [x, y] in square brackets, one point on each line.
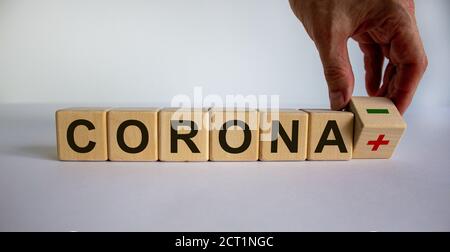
[410, 192]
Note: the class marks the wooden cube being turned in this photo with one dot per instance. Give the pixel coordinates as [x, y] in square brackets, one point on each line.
[378, 127]
[283, 135]
[183, 134]
[330, 135]
[133, 134]
[81, 134]
[234, 134]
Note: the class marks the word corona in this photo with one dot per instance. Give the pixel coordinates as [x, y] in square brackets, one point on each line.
[371, 128]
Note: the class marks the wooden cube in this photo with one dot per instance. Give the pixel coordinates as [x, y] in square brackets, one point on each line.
[234, 134]
[283, 135]
[183, 134]
[81, 134]
[330, 135]
[133, 134]
[378, 127]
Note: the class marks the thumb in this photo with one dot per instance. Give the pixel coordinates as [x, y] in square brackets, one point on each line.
[338, 71]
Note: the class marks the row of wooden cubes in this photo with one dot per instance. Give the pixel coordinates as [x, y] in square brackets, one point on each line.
[371, 128]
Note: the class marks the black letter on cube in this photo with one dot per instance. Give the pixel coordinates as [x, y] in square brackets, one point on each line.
[277, 128]
[174, 136]
[71, 139]
[121, 139]
[223, 133]
[331, 126]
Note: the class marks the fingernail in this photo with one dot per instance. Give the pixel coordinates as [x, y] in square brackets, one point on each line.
[337, 100]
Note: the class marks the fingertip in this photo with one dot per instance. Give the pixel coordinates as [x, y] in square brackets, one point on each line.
[370, 90]
[373, 64]
[372, 83]
[338, 100]
[401, 107]
[402, 89]
[401, 101]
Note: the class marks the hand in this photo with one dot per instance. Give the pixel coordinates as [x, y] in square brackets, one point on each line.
[383, 29]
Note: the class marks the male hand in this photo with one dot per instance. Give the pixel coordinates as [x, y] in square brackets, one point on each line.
[383, 29]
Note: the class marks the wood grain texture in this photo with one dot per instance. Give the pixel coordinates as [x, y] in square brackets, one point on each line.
[378, 127]
[234, 134]
[133, 134]
[294, 124]
[319, 120]
[88, 127]
[195, 148]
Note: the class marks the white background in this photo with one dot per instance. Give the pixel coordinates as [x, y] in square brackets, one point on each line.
[409, 192]
[111, 52]
[126, 52]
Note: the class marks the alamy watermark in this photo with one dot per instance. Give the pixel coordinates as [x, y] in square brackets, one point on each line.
[232, 112]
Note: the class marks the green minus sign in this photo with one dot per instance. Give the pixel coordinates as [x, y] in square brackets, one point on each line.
[377, 111]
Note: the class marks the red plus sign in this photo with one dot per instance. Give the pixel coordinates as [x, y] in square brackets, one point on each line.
[376, 144]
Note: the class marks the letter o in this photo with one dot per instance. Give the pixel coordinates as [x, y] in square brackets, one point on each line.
[223, 133]
[121, 138]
